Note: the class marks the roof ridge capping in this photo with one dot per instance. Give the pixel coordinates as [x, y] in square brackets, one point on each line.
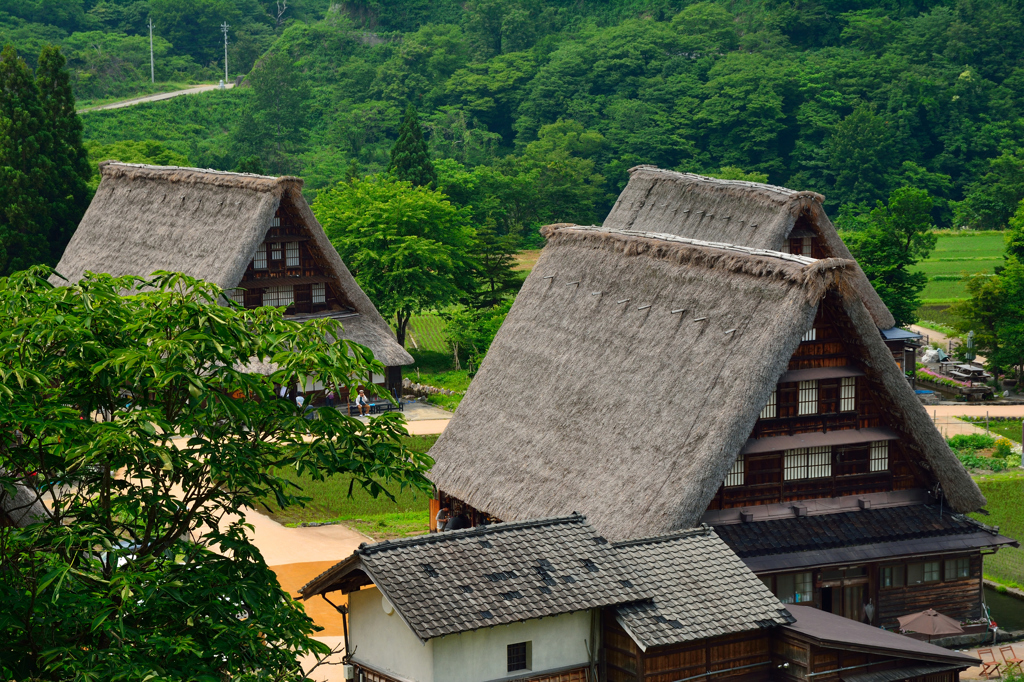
[476, 531]
[197, 176]
[703, 530]
[815, 275]
[773, 193]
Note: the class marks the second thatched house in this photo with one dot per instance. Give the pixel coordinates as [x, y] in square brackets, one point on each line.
[654, 382]
[251, 233]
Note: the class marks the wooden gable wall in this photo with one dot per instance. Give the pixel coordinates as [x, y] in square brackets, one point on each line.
[304, 286]
[763, 477]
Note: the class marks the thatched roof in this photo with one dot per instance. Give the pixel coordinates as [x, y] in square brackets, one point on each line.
[23, 508]
[206, 224]
[631, 370]
[733, 211]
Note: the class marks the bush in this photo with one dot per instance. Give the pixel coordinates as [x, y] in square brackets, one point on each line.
[972, 441]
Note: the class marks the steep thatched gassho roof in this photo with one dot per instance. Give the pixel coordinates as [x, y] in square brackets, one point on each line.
[733, 211]
[23, 508]
[630, 372]
[206, 224]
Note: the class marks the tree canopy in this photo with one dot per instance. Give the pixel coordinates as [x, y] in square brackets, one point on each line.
[137, 420]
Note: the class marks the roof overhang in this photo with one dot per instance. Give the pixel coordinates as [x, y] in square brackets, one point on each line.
[878, 551]
[818, 373]
[817, 439]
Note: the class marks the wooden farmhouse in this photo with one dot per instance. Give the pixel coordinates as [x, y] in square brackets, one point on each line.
[551, 600]
[656, 382]
[250, 233]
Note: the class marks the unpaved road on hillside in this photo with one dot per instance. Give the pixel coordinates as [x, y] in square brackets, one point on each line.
[156, 98]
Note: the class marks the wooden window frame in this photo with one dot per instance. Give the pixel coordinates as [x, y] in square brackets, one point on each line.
[276, 297]
[803, 464]
[737, 474]
[771, 409]
[291, 255]
[807, 401]
[319, 293]
[879, 456]
[848, 394]
[259, 259]
[518, 656]
[811, 335]
[276, 252]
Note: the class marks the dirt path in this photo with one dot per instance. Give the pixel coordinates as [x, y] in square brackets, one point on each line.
[156, 98]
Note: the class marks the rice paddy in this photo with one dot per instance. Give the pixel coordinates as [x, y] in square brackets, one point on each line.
[957, 254]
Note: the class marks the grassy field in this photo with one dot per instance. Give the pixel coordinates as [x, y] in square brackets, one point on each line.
[428, 332]
[379, 518]
[1010, 428]
[1004, 492]
[525, 260]
[955, 254]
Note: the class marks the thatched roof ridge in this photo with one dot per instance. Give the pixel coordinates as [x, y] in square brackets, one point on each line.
[206, 224]
[630, 372]
[734, 211]
[25, 507]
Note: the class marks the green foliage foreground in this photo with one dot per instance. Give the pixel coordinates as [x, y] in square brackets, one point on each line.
[133, 418]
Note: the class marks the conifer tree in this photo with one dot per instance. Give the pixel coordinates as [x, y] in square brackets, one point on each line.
[27, 178]
[409, 158]
[70, 195]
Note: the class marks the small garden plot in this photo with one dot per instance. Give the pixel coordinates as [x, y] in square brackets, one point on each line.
[380, 518]
[982, 452]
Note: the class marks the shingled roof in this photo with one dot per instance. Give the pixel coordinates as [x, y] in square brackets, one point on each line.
[456, 581]
[631, 370]
[206, 224]
[700, 589]
[745, 213]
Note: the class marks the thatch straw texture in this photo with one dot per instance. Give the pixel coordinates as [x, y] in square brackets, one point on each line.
[629, 374]
[743, 213]
[23, 508]
[206, 224]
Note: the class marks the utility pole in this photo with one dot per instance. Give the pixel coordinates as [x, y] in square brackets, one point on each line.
[152, 69]
[224, 28]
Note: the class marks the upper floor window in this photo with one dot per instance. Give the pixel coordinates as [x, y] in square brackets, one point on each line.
[848, 394]
[736, 476]
[794, 588]
[892, 576]
[275, 251]
[808, 401]
[807, 463]
[771, 410]
[801, 246]
[292, 254]
[259, 261]
[319, 292]
[237, 295]
[811, 335]
[880, 455]
[958, 568]
[275, 221]
[925, 572]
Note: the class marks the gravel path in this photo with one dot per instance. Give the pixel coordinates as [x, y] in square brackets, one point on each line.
[156, 98]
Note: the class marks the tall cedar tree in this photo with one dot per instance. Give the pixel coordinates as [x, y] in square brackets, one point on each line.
[28, 178]
[70, 195]
[409, 158]
[496, 278]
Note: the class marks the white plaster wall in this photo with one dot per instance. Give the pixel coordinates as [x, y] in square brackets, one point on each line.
[385, 642]
[482, 655]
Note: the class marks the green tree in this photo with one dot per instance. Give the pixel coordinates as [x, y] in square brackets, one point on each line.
[149, 152]
[494, 267]
[859, 157]
[470, 331]
[137, 419]
[28, 179]
[897, 236]
[275, 127]
[410, 160]
[407, 246]
[992, 199]
[70, 195]
[994, 311]
[1015, 234]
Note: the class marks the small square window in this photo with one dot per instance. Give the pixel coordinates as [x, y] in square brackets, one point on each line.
[807, 463]
[811, 335]
[892, 576]
[795, 588]
[519, 656]
[880, 455]
[278, 296]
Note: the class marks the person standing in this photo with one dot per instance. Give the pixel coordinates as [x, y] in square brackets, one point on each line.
[443, 516]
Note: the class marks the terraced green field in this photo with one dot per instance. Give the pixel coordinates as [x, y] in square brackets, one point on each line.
[956, 254]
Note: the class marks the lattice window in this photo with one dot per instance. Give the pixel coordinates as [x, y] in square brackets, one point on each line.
[808, 403]
[275, 251]
[259, 260]
[518, 656]
[807, 463]
[848, 394]
[292, 254]
[931, 571]
[237, 295]
[811, 335]
[279, 296]
[736, 475]
[806, 245]
[771, 410]
[880, 455]
[319, 293]
[275, 221]
[958, 568]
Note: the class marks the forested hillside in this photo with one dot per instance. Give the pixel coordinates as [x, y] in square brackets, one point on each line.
[535, 109]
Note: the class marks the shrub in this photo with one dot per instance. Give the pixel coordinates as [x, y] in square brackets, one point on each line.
[972, 441]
